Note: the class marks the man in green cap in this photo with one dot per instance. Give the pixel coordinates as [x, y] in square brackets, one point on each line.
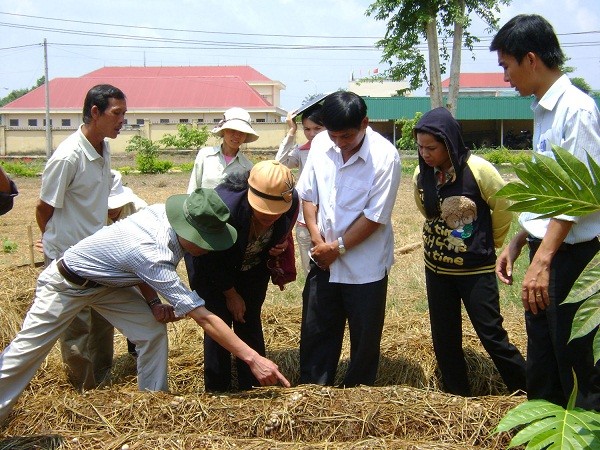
[115, 269]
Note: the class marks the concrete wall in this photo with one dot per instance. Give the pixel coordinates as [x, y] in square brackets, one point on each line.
[32, 141]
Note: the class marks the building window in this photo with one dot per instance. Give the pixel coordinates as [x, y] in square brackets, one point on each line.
[65, 122]
[139, 121]
[125, 122]
[33, 122]
[184, 121]
[216, 120]
[164, 120]
[200, 120]
[44, 122]
[260, 120]
[13, 122]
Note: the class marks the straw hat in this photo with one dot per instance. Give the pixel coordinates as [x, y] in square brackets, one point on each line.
[201, 218]
[236, 119]
[119, 195]
[270, 187]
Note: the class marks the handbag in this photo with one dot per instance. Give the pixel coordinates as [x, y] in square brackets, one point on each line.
[283, 266]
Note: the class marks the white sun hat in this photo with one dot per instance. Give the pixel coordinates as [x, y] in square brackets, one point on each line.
[236, 119]
[120, 195]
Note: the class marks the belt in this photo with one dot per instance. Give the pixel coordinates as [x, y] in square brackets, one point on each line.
[72, 277]
[534, 244]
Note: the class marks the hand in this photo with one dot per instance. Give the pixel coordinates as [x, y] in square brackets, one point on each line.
[534, 294]
[291, 123]
[39, 246]
[163, 313]
[236, 306]
[278, 249]
[324, 254]
[266, 372]
[505, 262]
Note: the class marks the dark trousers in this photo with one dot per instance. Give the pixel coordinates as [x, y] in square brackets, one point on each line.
[325, 309]
[550, 357]
[252, 286]
[479, 293]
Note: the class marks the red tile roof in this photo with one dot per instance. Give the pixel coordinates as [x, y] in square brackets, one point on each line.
[172, 88]
[165, 92]
[246, 73]
[479, 80]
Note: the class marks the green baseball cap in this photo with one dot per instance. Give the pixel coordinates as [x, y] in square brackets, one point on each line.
[201, 218]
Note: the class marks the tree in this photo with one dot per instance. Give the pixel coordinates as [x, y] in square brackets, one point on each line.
[411, 21]
[187, 137]
[13, 95]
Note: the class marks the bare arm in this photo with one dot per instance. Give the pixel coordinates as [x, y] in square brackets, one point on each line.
[534, 293]
[265, 371]
[310, 219]
[43, 214]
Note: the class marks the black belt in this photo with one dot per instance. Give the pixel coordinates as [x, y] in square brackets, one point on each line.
[72, 277]
[534, 244]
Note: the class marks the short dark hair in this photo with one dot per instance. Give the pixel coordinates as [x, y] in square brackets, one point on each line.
[343, 110]
[99, 96]
[314, 114]
[529, 33]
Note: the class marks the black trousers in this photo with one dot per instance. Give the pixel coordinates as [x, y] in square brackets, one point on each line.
[326, 308]
[550, 357]
[479, 293]
[252, 286]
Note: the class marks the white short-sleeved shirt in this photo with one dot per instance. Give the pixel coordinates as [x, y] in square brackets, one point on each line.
[210, 168]
[569, 118]
[366, 184]
[76, 182]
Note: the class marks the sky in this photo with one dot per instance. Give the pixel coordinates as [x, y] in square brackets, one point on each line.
[311, 46]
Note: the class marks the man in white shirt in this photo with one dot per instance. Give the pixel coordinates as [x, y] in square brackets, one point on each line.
[560, 247]
[348, 188]
[73, 203]
[118, 272]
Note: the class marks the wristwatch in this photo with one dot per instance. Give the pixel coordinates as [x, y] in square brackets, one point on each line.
[341, 246]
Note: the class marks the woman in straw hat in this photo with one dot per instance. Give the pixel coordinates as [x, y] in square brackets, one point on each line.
[214, 163]
[234, 282]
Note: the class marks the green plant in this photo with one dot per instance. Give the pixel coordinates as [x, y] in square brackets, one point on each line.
[147, 155]
[22, 169]
[549, 426]
[407, 138]
[187, 137]
[9, 246]
[503, 155]
[186, 167]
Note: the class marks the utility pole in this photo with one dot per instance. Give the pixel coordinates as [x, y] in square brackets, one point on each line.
[47, 90]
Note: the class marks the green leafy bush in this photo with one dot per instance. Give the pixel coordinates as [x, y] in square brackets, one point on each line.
[503, 155]
[407, 140]
[187, 137]
[22, 168]
[147, 155]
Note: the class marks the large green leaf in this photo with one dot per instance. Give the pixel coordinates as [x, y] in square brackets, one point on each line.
[545, 425]
[588, 282]
[587, 317]
[550, 187]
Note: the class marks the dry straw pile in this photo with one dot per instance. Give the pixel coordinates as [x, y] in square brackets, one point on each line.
[405, 410]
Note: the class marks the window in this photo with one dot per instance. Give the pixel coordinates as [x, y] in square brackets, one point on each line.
[65, 122]
[200, 120]
[260, 120]
[125, 122]
[164, 120]
[139, 121]
[217, 120]
[44, 122]
[33, 122]
[183, 120]
[13, 122]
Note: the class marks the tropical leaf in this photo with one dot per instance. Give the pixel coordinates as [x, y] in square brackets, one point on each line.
[545, 425]
[587, 317]
[596, 346]
[588, 282]
[547, 186]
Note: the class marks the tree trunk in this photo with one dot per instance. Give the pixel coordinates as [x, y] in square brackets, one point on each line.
[452, 100]
[435, 76]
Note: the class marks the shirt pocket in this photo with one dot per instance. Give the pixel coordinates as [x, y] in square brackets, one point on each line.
[352, 194]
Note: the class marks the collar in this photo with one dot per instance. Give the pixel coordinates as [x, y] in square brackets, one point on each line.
[88, 149]
[552, 95]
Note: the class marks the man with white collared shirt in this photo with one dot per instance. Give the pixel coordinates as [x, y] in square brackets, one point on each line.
[348, 188]
[73, 203]
[118, 272]
[560, 247]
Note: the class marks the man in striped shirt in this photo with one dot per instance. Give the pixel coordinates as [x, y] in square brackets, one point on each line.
[118, 272]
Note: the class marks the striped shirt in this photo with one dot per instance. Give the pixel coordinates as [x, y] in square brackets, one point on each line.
[141, 247]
